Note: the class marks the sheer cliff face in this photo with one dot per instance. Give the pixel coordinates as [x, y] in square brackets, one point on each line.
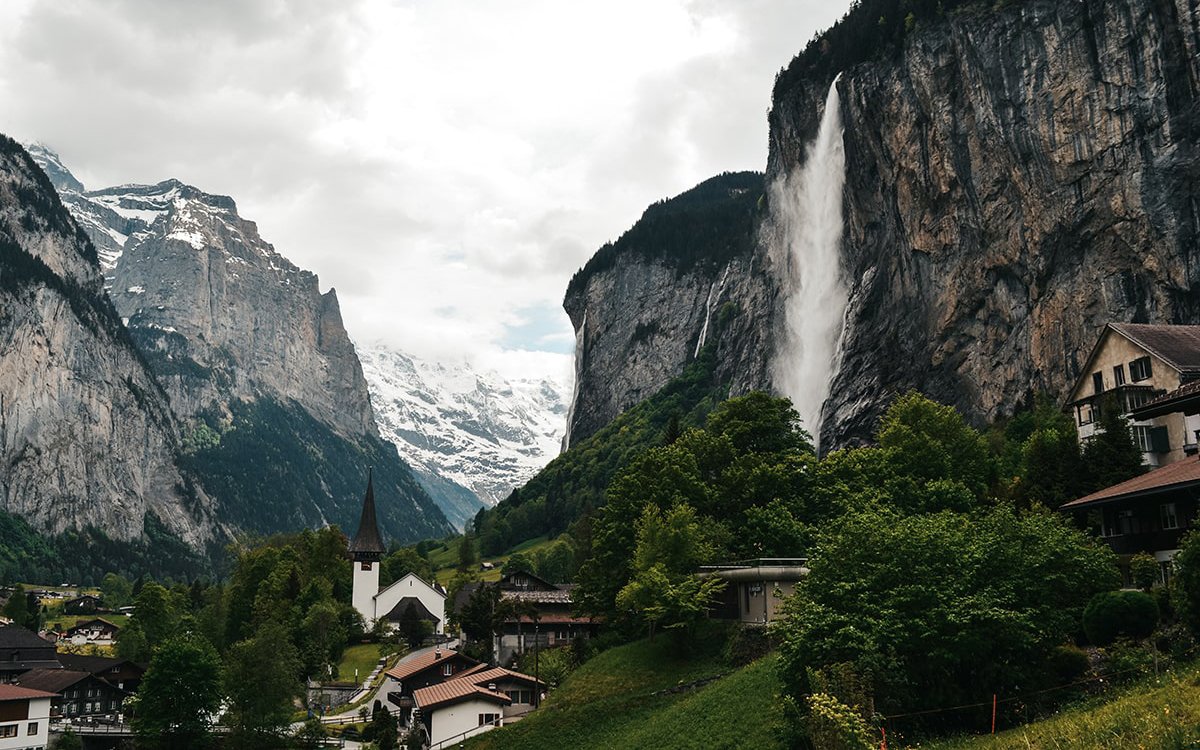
[86, 435]
[1015, 180]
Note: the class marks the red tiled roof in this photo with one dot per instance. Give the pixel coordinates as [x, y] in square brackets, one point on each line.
[16, 693]
[1157, 407]
[1178, 474]
[455, 690]
[498, 673]
[406, 669]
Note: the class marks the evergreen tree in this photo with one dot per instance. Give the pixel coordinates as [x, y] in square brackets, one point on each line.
[1111, 456]
[412, 628]
[262, 680]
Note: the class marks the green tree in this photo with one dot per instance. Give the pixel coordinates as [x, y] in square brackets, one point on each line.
[179, 694]
[262, 680]
[156, 611]
[68, 740]
[1116, 614]
[1110, 456]
[518, 562]
[412, 628]
[1185, 586]
[1143, 569]
[556, 563]
[311, 734]
[23, 609]
[323, 637]
[928, 442]
[468, 556]
[402, 562]
[117, 590]
[1051, 468]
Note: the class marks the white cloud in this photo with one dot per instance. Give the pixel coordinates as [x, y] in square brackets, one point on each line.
[446, 166]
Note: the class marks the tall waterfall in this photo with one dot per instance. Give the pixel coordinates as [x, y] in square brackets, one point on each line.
[580, 342]
[805, 237]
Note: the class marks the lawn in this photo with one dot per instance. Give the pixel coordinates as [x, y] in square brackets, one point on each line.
[360, 656]
[445, 559]
[62, 622]
[1149, 715]
[610, 702]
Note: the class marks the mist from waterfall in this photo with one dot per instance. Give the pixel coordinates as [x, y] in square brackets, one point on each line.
[805, 238]
[580, 342]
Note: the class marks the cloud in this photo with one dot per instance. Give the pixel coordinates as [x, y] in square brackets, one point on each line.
[446, 166]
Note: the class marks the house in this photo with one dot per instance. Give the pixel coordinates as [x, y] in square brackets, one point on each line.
[544, 616]
[22, 650]
[421, 670]
[755, 589]
[82, 605]
[24, 718]
[97, 631]
[1130, 366]
[124, 674]
[1149, 513]
[474, 702]
[366, 551]
[76, 693]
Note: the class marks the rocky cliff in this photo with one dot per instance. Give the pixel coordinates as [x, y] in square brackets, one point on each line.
[1015, 178]
[87, 436]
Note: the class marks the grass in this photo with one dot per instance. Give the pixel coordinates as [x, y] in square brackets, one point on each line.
[1149, 715]
[609, 703]
[360, 656]
[445, 559]
[69, 621]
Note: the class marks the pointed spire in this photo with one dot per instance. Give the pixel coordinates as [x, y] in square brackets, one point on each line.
[367, 544]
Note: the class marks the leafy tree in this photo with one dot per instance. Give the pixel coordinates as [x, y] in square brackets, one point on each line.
[311, 734]
[760, 423]
[928, 442]
[323, 637]
[518, 562]
[157, 612]
[1111, 456]
[179, 694]
[116, 590]
[132, 643]
[262, 680]
[468, 556]
[23, 609]
[1051, 468]
[556, 563]
[1143, 569]
[68, 740]
[412, 628]
[402, 562]
[941, 609]
[1115, 614]
[1185, 586]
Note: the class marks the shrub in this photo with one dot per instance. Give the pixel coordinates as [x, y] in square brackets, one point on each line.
[1143, 569]
[1126, 661]
[747, 644]
[832, 725]
[1113, 614]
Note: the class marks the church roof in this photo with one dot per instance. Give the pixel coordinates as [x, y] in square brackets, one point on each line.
[423, 612]
[367, 540]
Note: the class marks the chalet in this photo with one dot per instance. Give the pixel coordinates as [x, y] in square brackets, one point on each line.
[755, 589]
[77, 693]
[22, 650]
[427, 668]
[366, 551]
[474, 702]
[1131, 366]
[545, 618]
[82, 605]
[96, 631]
[1148, 513]
[24, 718]
[124, 674]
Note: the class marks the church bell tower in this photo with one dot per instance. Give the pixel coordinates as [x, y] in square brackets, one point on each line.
[366, 550]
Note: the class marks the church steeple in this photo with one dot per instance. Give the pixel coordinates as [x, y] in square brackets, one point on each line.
[367, 544]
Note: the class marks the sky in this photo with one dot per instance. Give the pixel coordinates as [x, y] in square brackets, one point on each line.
[446, 166]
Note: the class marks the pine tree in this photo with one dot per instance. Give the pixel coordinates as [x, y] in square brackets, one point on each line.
[1110, 455]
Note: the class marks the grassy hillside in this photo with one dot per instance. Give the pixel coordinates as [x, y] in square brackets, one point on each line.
[610, 702]
[1147, 716]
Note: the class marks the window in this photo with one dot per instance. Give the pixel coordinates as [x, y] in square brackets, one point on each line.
[1140, 369]
[447, 669]
[366, 565]
[1097, 383]
[524, 697]
[1119, 375]
[1125, 523]
[1141, 436]
[1084, 412]
[32, 730]
[492, 719]
[8, 730]
[1166, 513]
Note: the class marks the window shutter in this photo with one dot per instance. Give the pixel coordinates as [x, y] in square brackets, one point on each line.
[1159, 440]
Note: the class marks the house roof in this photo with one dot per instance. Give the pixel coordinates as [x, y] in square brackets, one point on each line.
[536, 580]
[51, 680]
[434, 587]
[17, 693]
[87, 623]
[492, 674]
[1178, 346]
[1185, 398]
[367, 539]
[453, 691]
[558, 596]
[15, 636]
[422, 612]
[420, 663]
[94, 664]
[1170, 477]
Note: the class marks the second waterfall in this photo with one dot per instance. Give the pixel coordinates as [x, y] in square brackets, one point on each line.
[805, 238]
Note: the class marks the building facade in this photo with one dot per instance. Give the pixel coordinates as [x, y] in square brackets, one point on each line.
[24, 718]
[755, 589]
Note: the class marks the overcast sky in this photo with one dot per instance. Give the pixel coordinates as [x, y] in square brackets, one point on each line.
[446, 165]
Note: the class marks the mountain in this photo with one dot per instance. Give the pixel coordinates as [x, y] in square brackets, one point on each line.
[471, 436]
[1015, 176]
[256, 365]
[87, 436]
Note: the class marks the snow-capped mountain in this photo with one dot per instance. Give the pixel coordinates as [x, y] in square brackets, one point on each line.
[483, 433]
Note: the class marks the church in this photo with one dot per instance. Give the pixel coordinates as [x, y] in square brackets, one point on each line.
[366, 553]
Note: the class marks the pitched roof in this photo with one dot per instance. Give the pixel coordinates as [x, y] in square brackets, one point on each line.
[15, 636]
[93, 664]
[1170, 477]
[420, 663]
[367, 539]
[85, 623]
[1183, 398]
[422, 612]
[558, 596]
[496, 673]
[17, 693]
[1178, 346]
[453, 691]
[51, 680]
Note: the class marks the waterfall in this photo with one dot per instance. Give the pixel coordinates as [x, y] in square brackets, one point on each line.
[805, 237]
[712, 291]
[579, 344]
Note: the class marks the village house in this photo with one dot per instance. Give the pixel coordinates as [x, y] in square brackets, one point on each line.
[475, 701]
[429, 668]
[97, 631]
[78, 694]
[755, 589]
[24, 718]
[22, 650]
[122, 673]
[1131, 365]
[86, 604]
[543, 616]
[366, 551]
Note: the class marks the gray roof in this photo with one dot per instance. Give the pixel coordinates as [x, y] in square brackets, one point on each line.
[367, 541]
[423, 612]
[15, 636]
[1178, 346]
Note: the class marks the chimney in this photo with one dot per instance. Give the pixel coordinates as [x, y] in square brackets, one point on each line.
[437, 653]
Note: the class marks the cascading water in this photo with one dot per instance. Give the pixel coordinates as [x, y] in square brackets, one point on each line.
[579, 344]
[805, 236]
[716, 287]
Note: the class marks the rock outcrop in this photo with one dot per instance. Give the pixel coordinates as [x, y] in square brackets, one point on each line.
[87, 436]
